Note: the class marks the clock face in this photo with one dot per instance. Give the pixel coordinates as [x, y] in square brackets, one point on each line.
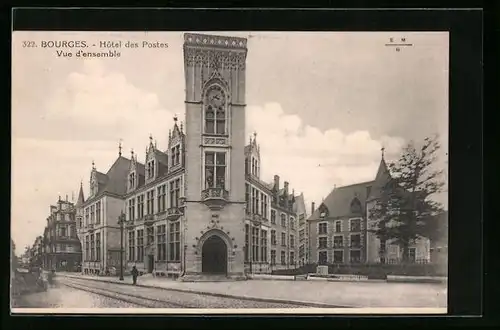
[216, 98]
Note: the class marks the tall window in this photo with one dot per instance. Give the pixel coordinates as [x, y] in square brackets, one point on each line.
[140, 206]
[273, 237]
[322, 242]
[292, 223]
[322, 257]
[98, 246]
[140, 245]
[161, 241]
[131, 209]
[92, 214]
[273, 257]
[338, 241]
[247, 197]
[322, 228]
[150, 198]
[176, 155]
[161, 198]
[338, 226]
[301, 234]
[87, 216]
[292, 241]
[150, 169]
[355, 225]
[355, 256]
[257, 202]
[98, 212]
[131, 180]
[283, 239]
[292, 258]
[283, 220]
[131, 246]
[254, 200]
[92, 247]
[273, 217]
[338, 256]
[215, 170]
[175, 241]
[283, 258]
[175, 192]
[87, 248]
[255, 244]
[215, 114]
[264, 209]
[247, 242]
[356, 241]
[263, 245]
[150, 235]
[62, 231]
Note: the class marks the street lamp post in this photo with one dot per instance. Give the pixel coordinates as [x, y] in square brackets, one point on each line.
[121, 221]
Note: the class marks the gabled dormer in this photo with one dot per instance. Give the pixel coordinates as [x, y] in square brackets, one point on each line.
[176, 147]
[97, 180]
[151, 170]
[133, 175]
[323, 211]
[252, 157]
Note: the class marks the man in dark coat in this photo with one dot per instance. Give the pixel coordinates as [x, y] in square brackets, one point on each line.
[135, 273]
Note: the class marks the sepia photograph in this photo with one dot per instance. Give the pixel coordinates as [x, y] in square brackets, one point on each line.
[229, 172]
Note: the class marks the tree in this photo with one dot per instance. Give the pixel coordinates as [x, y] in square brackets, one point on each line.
[13, 257]
[405, 211]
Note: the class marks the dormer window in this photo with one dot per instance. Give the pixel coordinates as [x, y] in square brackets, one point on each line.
[131, 180]
[356, 206]
[150, 169]
[323, 211]
[215, 111]
[175, 155]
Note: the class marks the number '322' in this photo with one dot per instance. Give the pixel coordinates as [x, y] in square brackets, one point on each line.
[29, 44]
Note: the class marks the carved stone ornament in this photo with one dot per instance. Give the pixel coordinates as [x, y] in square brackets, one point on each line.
[215, 59]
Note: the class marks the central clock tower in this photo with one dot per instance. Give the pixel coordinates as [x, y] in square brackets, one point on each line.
[214, 68]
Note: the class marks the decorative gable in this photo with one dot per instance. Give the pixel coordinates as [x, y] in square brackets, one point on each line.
[175, 146]
[132, 179]
[323, 211]
[151, 169]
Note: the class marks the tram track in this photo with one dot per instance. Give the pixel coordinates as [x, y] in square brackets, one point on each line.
[134, 299]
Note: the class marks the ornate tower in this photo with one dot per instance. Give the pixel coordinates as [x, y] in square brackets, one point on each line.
[214, 68]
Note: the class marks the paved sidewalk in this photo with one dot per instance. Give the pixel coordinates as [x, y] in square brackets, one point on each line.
[348, 294]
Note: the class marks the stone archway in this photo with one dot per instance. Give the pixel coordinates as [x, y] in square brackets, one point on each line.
[214, 256]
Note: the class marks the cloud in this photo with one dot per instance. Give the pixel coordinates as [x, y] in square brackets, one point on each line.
[107, 107]
[313, 161]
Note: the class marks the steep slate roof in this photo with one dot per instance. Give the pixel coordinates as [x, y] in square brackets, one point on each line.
[338, 202]
[299, 207]
[81, 198]
[381, 179]
[115, 180]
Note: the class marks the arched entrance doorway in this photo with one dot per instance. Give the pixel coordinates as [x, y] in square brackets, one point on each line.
[214, 256]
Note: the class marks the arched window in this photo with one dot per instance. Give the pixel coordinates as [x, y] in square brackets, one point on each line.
[323, 211]
[356, 206]
[215, 111]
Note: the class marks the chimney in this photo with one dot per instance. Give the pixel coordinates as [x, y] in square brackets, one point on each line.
[277, 182]
[312, 207]
[66, 197]
[286, 187]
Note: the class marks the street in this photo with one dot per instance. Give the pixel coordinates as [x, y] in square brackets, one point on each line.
[80, 293]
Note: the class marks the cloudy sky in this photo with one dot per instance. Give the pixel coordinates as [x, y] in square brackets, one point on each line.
[322, 104]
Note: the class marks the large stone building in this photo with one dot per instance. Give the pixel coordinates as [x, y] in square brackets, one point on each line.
[199, 206]
[62, 249]
[339, 227]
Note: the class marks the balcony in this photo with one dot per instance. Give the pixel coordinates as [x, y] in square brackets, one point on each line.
[215, 198]
[129, 223]
[173, 213]
[257, 219]
[90, 227]
[149, 219]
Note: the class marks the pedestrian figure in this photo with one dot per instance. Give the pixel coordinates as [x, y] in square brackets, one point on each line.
[135, 273]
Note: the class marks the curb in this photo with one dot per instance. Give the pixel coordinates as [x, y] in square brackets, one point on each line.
[223, 295]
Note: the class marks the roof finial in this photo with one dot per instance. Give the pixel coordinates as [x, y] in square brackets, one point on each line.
[150, 137]
[155, 143]
[254, 136]
[120, 148]
[93, 164]
[132, 153]
[383, 152]
[81, 183]
[175, 118]
[182, 126]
